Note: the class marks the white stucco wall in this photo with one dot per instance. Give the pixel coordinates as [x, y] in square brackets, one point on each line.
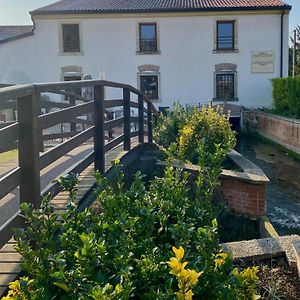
[186, 61]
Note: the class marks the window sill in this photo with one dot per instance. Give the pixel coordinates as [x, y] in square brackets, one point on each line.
[70, 53]
[227, 100]
[215, 51]
[158, 52]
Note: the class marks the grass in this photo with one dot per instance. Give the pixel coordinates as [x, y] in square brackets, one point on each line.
[9, 155]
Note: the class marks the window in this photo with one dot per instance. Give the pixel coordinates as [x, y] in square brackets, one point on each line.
[225, 89]
[71, 39]
[73, 77]
[225, 35]
[148, 37]
[149, 86]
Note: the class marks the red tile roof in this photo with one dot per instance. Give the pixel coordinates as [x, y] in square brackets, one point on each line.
[127, 6]
[12, 32]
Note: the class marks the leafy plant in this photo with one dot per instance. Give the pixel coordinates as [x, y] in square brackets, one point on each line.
[119, 251]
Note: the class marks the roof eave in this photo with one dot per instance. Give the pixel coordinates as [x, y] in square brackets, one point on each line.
[17, 37]
[160, 10]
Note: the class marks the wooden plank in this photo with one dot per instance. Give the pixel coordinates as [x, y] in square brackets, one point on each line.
[113, 123]
[10, 257]
[6, 124]
[16, 91]
[55, 188]
[141, 118]
[126, 110]
[8, 248]
[9, 182]
[150, 134]
[8, 104]
[54, 104]
[113, 143]
[99, 129]
[65, 147]
[6, 230]
[10, 268]
[9, 133]
[134, 104]
[6, 279]
[53, 86]
[113, 103]
[60, 135]
[29, 146]
[65, 115]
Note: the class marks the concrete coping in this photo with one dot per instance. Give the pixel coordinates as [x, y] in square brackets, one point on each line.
[264, 248]
[251, 173]
[292, 120]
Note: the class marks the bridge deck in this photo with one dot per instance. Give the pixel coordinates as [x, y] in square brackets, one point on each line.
[9, 259]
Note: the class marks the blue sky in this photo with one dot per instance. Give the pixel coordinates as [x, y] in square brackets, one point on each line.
[15, 12]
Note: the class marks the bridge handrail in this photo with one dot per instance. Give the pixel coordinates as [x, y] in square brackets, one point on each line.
[28, 131]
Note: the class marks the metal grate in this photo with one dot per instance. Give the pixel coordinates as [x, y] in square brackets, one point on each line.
[225, 86]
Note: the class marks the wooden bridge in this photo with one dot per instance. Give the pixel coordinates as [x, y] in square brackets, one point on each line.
[93, 147]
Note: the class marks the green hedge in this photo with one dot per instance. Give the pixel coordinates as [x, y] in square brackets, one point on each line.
[286, 96]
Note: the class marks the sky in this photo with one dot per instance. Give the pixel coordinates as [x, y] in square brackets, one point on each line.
[16, 12]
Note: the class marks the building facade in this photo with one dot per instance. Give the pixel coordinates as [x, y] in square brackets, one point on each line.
[192, 52]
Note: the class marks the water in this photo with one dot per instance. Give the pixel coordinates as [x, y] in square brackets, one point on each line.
[283, 191]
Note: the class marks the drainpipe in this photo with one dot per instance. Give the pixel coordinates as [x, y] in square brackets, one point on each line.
[281, 46]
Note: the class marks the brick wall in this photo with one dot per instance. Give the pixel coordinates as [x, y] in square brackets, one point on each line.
[243, 197]
[284, 131]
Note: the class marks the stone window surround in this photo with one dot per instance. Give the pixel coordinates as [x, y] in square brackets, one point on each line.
[61, 40]
[225, 68]
[226, 18]
[149, 70]
[137, 28]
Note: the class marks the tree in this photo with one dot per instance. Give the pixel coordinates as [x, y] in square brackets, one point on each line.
[297, 63]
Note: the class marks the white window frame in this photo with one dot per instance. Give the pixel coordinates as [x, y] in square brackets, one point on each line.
[150, 73]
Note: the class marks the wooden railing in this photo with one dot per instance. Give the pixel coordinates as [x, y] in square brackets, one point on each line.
[28, 134]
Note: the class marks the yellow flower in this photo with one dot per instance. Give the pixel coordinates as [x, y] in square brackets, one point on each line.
[220, 259]
[179, 253]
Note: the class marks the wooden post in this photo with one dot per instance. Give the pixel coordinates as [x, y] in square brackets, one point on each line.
[126, 111]
[150, 134]
[141, 118]
[99, 138]
[38, 99]
[72, 102]
[29, 144]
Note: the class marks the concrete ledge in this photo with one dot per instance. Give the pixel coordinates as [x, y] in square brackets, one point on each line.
[296, 246]
[266, 228]
[264, 248]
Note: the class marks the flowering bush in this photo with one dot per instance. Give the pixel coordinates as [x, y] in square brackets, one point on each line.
[195, 135]
[123, 249]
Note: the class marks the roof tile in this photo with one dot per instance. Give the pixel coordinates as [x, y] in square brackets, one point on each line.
[124, 6]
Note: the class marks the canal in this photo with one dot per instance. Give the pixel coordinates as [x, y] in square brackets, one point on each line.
[283, 191]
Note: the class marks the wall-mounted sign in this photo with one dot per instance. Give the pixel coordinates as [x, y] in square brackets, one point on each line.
[262, 61]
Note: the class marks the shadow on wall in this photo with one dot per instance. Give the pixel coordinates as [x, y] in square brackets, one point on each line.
[15, 77]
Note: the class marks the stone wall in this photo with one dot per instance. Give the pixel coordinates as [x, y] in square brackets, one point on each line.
[282, 130]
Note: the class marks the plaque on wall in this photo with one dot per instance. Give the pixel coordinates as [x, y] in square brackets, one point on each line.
[262, 61]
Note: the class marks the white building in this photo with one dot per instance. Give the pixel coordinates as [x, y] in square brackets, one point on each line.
[188, 51]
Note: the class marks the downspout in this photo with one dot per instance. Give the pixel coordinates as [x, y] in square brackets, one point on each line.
[34, 25]
[281, 46]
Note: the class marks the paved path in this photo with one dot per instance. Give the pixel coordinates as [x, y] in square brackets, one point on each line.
[9, 259]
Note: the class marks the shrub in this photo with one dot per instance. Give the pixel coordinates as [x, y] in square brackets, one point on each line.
[121, 250]
[168, 127]
[196, 134]
[206, 132]
[286, 96]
